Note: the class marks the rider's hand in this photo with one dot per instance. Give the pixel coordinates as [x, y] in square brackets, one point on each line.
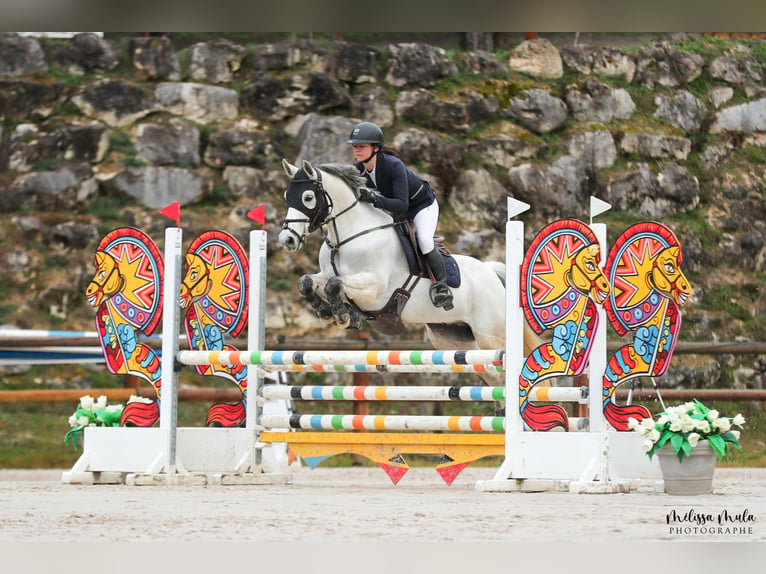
[367, 195]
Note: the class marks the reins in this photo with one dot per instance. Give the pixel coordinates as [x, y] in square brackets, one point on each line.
[335, 248]
[320, 217]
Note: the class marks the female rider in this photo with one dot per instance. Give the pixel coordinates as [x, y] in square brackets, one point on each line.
[394, 188]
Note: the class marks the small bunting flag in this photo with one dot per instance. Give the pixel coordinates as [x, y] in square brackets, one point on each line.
[258, 215]
[173, 211]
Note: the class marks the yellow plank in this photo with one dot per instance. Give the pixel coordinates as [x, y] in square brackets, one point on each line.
[384, 438]
[381, 447]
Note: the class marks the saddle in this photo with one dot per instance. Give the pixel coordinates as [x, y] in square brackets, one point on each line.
[407, 235]
[388, 319]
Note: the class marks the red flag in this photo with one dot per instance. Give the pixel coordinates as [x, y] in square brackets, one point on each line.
[258, 214]
[173, 211]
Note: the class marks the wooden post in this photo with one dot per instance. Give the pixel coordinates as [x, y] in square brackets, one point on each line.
[130, 382]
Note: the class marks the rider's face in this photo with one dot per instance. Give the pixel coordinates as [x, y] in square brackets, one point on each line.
[362, 151]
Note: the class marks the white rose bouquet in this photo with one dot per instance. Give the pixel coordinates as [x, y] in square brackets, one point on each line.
[92, 412]
[687, 424]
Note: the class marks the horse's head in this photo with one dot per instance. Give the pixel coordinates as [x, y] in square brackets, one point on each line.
[308, 204]
[107, 281]
[196, 281]
[667, 277]
[585, 274]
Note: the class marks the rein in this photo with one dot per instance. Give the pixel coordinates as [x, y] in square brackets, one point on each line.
[335, 248]
[321, 217]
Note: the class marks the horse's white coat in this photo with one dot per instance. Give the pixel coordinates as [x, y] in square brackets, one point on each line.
[372, 266]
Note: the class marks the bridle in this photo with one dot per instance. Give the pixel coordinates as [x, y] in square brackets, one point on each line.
[315, 217]
[322, 215]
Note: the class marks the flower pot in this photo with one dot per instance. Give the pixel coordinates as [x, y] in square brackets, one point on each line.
[692, 475]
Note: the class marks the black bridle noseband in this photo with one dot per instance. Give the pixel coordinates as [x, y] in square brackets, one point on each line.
[316, 214]
[320, 214]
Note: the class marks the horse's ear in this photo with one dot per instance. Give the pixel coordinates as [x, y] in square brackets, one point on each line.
[309, 169]
[290, 169]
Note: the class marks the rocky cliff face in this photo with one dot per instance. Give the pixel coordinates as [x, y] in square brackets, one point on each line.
[98, 134]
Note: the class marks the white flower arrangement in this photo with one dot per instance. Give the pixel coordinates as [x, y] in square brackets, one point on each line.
[687, 424]
[92, 412]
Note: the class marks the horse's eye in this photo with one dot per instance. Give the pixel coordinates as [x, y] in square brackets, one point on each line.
[193, 275]
[589, 266]
[670, 268]
[101, 274]
[309, 199]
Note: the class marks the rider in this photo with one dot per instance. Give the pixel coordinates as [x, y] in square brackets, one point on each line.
[394, 188]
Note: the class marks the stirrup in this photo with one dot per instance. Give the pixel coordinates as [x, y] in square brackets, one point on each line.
[441, 296]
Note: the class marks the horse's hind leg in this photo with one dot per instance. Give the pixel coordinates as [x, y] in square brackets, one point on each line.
[308, 287]
[345, 315]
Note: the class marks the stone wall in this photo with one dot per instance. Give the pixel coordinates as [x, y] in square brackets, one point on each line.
[99, 133]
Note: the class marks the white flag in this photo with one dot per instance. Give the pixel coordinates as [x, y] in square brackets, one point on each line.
[516, 207]
[598, 206]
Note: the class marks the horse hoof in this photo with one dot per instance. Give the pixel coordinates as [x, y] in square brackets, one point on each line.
[306, 285]
[325, 314]
[333, 287]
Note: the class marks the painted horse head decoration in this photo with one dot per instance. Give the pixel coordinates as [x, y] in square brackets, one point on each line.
[363, 268]
[127, 292]
[561, 282]
[214, 296]
[648, 288]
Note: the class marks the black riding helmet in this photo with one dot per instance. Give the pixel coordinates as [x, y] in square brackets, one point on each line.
[366, 133]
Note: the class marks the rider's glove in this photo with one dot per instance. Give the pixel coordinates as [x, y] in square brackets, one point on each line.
[367, 195]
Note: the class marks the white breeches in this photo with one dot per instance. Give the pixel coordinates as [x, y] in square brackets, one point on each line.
[425, 222]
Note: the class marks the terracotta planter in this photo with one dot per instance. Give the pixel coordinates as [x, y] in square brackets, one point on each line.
[693, 475]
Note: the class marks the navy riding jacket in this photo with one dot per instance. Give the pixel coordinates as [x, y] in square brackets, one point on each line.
[402, 192]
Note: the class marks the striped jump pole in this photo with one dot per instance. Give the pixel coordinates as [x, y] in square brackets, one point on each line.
[287, 358]
[385, 422]
[394, 393]
[433, 369]
[397, 422]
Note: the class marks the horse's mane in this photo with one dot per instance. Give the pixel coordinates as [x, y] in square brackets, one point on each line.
[348, 173]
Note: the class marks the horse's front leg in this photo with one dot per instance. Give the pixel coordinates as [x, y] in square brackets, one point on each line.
[345, 314]
[310, 286]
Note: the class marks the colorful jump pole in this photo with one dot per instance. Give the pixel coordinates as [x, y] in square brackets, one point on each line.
[276, 358]
[393, 393]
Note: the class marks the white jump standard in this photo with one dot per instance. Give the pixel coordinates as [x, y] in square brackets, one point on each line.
[595, 459]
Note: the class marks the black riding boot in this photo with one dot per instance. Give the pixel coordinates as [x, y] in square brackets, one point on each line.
[440, 293]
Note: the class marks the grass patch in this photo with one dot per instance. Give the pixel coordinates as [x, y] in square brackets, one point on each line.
[282, 284]
[753, 154]
[34, 433]
[120, 141]
[108, 207]
[132, 161]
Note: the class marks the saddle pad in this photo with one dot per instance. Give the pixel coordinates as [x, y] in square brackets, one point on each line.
[453, 270]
